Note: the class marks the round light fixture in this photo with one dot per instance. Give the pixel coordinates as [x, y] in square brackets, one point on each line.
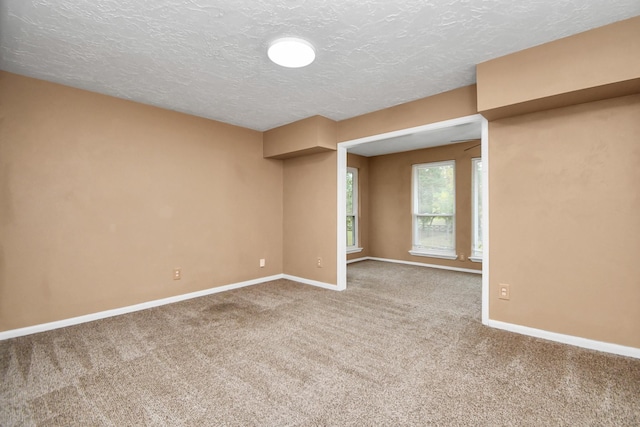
[291, 52]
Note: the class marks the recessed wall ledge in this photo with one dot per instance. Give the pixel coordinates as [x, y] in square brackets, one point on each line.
[312, 135]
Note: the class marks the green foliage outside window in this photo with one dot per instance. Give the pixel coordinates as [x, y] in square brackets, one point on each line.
[436, 193]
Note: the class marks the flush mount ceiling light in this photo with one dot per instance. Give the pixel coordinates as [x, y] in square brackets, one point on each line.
[291, 52]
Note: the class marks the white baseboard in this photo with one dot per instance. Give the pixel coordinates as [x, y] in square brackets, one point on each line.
[131, 308]
[525, 330]
[349, 261]
[567, 339]
[421, 264]
[311, 282]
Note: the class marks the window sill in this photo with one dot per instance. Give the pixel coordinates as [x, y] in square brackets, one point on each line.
[475, 258]
[353, 250]
[434, 255]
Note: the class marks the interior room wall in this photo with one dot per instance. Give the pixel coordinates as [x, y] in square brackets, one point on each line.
[448, 105]
[362, 164]
[310, 206]
[312, 135]
[101, 198]
[565, 228]
[593, 65]
[390, 194]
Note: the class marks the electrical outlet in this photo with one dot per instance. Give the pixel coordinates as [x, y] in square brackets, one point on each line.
[319, 262]
[504, 292]
[461, 256]
[263, 262]
[177, 274]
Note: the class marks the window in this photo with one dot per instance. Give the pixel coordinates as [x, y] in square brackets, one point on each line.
[434, 208]
[476, 210]
[352, 209]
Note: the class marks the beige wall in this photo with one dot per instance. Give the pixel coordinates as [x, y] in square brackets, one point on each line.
[565, 220]
[310, 206]
[593, 65]
[390, 229]
[444, 106]
[362, 164]
[101, 198]
[312, 135]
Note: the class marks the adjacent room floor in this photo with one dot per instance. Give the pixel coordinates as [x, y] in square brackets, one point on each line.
[402, 345]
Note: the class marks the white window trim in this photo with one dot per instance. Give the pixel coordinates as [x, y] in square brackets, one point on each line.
[355, 204]
[433, 254]
[417, 250]
[476, 256]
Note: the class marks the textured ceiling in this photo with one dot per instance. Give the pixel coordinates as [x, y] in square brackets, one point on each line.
[420, 139]
[208, 58]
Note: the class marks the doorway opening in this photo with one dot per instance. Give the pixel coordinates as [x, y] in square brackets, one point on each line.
[432, 135]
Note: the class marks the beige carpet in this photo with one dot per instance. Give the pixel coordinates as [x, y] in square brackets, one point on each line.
[402, 346]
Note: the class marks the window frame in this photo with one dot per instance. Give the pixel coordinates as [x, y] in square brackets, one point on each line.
[419, 250]
[355, 204]
[476, 212]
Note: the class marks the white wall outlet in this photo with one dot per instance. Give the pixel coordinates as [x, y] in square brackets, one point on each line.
[504, 291]
[263, 262]
[177, 274]
[319, 262]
